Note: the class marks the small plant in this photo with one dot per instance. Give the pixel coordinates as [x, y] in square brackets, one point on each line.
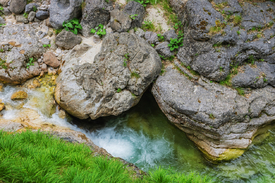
[126, 56]
[125, 63]
[161, 38]
[265, 80]
[118, 90]
[1, 8]
[251, 59]
[99, 30]
[144, 3]
[238, 32]
[237, 20]
[240, 91]
[177, 25]
[211, 116]
[175, 43]
[148, 25]
[262, 60]
[25, 15]
[30, 62]
[134, 74]
[3, 64]
[152, 45]
[2, 25]
[46, 45]
[1, 50]
[57, 31]
[72, 25]
[34, 8]
[133, 17]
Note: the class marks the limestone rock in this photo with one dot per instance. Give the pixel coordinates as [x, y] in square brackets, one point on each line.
[113, 83]
[30, 7]
[164, 50]
[171, 34]
[120, 21]
[51, 60]
[67, 40]
[215, 117]
[19, 95]
[21, 19]
[136, 9]
[61, 11]
[42, 15]
[4, 3]
[151, 37]
[20, 43]
[17, 6]
[95, 12]
[2, 106]
[31, 16]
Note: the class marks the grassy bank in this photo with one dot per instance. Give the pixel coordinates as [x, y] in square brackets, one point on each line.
[39, 157]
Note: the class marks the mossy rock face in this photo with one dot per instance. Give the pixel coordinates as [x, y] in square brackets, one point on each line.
[227, 155]
[19, 95]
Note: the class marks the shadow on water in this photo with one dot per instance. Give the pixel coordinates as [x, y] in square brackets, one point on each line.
[144, 136]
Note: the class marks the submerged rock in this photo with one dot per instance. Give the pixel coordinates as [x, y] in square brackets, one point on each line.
[113, 83]
[19, 95]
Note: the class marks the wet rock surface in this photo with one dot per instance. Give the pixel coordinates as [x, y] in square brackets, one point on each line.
[113, 83]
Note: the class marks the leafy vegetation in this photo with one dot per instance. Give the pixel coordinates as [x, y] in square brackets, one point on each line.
[211, 116]
[30, 62]
[118, 90]
[240, 91]
[134, 74]
[176, 43]
[99, 30]
[237, 20]
[72, 25]
[161, 38]
[46, 45]
[26, 15]
[148, 26]
[144, 3]
[34, 8]
[3, 64]
[133, 17]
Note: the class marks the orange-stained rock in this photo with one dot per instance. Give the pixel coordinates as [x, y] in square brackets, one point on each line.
[19, 95]
[51, 60]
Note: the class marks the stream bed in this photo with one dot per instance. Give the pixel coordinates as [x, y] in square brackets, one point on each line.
[144, 136]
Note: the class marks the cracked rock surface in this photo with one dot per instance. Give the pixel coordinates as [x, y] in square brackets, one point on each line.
[18, 44]
[228, 42]
[215, 117]
[113, 83]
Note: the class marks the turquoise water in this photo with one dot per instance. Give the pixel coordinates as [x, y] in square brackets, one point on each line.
[145, 137]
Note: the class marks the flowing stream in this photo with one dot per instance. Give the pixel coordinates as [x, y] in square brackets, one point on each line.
[145, 137]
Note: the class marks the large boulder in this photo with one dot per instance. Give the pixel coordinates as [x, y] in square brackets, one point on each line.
[95, 12]
[214, 43]
[112, 83]
[220, 121]
[61, 11]
[17, 6]
[21, 48]
[120, 21]
[235, 51]
[137, 11]
[67, 40]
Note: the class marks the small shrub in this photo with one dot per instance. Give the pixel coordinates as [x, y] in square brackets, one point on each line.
[240, 91]
[161, 38]
[46, 45]
[133, 17]
[144, 3]
[175, 43]
[237, 20]
[72, 25]
[148, 25]
[99, 30]
[30, 62]
[134, 74]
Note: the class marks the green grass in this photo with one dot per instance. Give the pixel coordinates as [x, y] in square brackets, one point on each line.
[40, 157]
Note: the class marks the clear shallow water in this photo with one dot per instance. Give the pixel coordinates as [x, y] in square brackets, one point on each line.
[145, 137]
